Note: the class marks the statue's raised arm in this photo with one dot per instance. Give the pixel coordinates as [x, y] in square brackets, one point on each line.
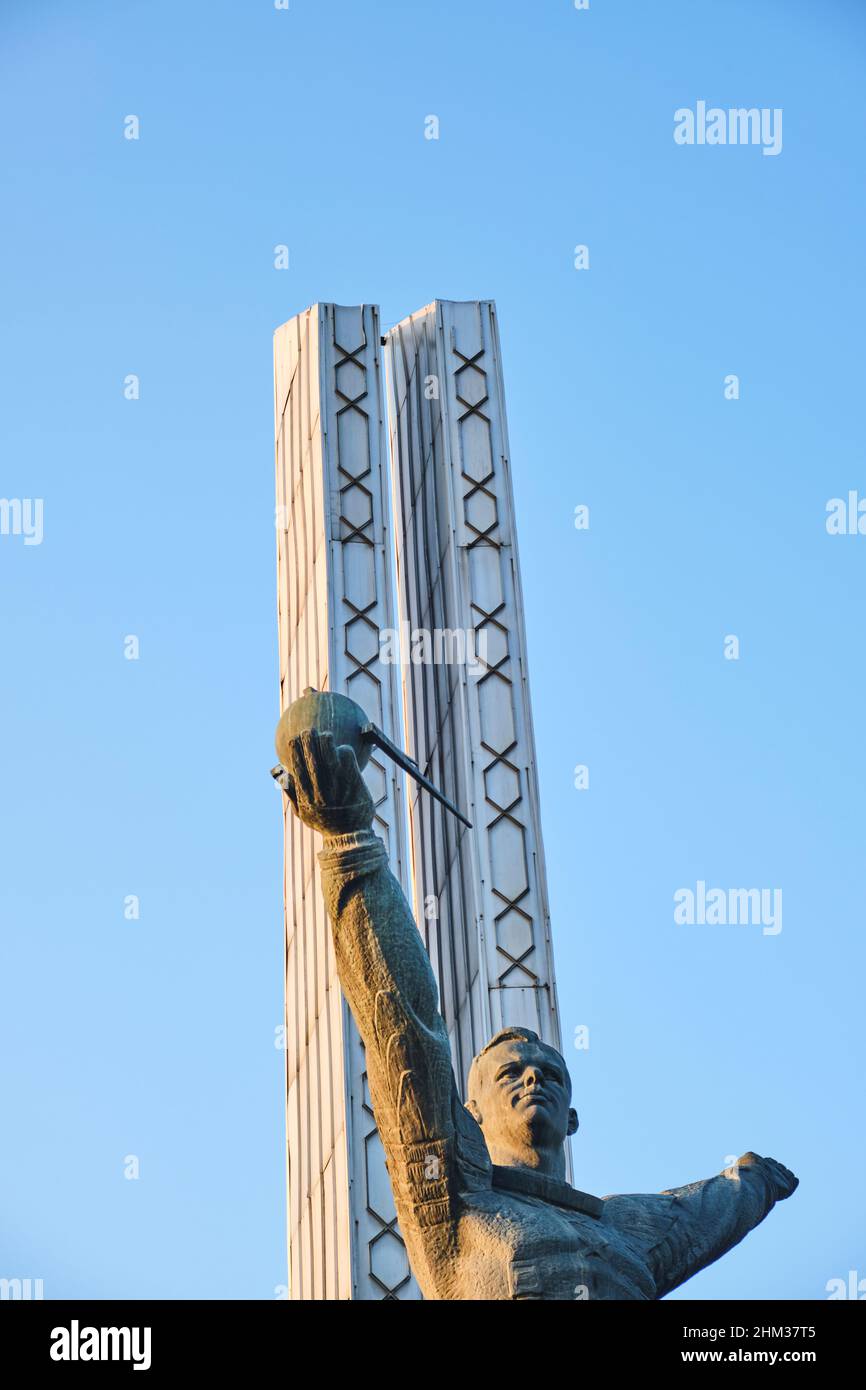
[386, 976]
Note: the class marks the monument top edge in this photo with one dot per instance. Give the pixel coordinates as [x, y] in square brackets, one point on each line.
[416, 313]
[434, 304]
[323, 304]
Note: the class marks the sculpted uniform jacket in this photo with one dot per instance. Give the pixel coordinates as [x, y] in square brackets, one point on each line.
[474, 1230]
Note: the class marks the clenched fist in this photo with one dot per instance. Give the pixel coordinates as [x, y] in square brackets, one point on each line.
[781, 1177]
[325, 786]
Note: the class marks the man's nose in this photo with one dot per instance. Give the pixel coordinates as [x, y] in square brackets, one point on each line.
[532, 1077]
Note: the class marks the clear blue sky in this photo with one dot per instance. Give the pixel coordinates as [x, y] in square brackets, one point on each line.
[155, 257]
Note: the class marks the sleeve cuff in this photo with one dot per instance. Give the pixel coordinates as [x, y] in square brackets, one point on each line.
[359, 847]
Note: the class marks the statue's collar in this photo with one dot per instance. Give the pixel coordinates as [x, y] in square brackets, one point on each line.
[560, 1194]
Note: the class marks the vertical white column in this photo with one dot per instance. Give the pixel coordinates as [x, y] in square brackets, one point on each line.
[480, 895]
[334, 589]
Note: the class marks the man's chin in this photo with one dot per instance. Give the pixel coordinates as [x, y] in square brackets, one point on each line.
[534, 1106]
[539, 1120]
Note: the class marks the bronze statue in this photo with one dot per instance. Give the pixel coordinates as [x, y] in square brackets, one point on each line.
[480, 1189]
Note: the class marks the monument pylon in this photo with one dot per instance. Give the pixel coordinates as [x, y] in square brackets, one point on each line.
[482, 896]
[334, 595]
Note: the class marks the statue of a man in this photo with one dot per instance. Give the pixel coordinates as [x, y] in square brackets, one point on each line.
[480, 1189]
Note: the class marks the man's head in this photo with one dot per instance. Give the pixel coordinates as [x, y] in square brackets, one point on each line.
[520, 1093]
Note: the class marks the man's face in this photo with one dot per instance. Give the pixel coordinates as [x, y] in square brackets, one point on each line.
[524, 1095]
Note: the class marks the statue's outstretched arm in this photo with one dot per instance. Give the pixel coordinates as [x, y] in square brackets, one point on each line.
[686, 1228]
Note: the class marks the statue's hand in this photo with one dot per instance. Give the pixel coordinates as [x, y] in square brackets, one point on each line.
[325, 785]
[782, 1178]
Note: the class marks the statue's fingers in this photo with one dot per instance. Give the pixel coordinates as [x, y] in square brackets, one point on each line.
[300, 770]
[784, 1177]
[322, 765]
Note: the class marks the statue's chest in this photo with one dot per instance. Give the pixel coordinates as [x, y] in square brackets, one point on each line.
[517, 1247]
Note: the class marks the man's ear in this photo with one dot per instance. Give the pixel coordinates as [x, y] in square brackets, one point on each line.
[474, 1111]
[573, 1122]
